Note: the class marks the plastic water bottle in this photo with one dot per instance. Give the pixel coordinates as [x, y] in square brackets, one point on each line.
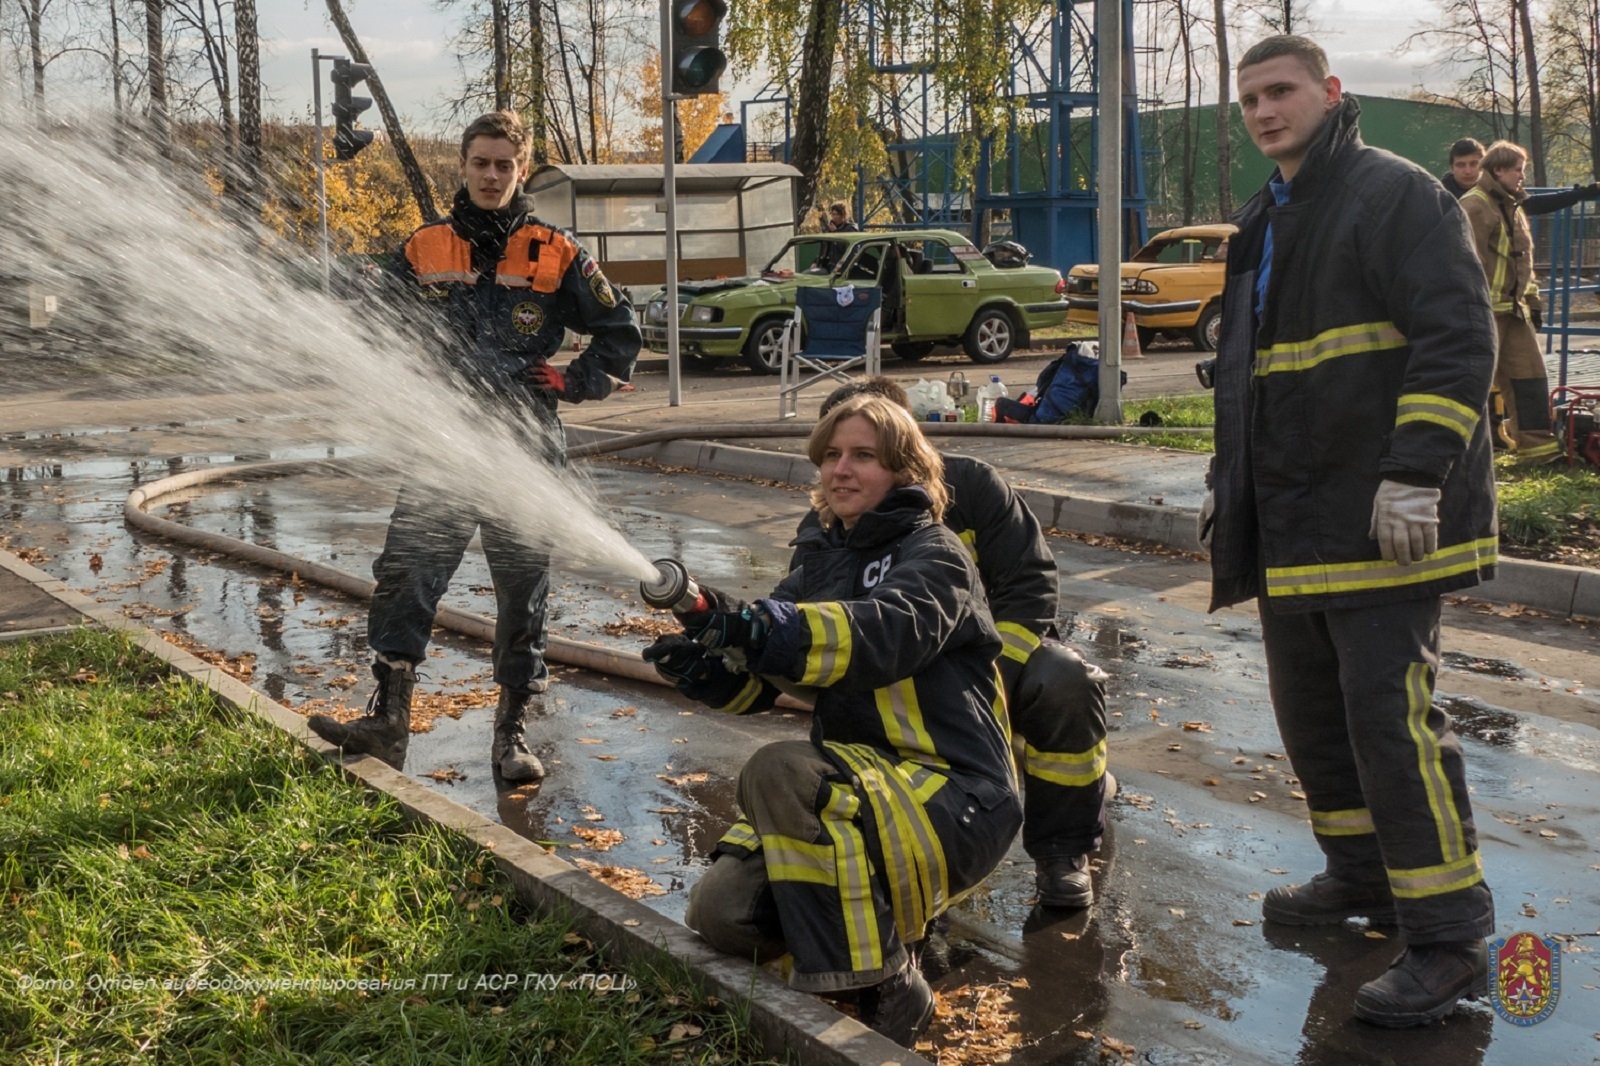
[987, 395]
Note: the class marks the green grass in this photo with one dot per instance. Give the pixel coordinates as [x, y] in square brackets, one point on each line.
[150, 836]
[1191, 411]
[1558, 506]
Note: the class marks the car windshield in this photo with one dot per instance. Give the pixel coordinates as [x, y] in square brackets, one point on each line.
[812, 256]
[1180, 250]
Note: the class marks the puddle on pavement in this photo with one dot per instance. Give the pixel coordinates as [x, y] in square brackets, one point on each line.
[1476, 719]
[1162, 947]
[1479, 665]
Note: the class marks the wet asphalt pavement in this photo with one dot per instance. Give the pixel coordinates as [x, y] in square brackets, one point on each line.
[1173, 961]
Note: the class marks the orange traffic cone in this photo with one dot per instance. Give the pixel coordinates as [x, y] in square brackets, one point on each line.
[1130, 338]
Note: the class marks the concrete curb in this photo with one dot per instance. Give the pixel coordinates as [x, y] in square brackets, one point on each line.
[782, 1019]
[1567, 591]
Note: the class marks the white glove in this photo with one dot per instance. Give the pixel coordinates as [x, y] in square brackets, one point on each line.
[1207, 521]
[1405, 521]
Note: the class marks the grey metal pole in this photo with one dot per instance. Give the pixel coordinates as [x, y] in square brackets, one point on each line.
[1108, 181]
[322, 183]
[669, 195]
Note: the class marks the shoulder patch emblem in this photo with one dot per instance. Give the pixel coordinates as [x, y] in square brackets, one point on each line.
[590, 267]
[602, 288]
[1525, 977]
[527, 317]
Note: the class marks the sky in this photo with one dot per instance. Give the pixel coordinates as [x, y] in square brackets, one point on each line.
[409, 42]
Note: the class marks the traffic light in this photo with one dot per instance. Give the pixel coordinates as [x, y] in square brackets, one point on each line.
[347, 140]
[697, 57]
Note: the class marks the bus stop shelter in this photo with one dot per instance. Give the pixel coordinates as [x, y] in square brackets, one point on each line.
[732, 217]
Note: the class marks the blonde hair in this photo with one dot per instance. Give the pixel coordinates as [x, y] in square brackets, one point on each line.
[902, 449]
[1502, 155]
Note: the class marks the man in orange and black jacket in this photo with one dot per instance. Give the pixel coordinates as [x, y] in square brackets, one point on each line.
[496, 289]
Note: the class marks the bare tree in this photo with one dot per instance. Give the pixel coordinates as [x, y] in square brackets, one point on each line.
[155, 50]
[810, 145]
[1477, 40]
[420, 189]
[1571, 76]
[196, 16]
[1530, 61]
[1224, 114]
[537, 124]
[247, 45]
[500, 16]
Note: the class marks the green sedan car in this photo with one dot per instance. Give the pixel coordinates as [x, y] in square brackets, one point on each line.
[938, 288]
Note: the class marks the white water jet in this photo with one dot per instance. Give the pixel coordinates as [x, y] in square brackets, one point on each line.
[143, 257]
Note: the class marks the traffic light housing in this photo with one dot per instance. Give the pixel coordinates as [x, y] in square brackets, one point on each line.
[347, 140]
[697, 56]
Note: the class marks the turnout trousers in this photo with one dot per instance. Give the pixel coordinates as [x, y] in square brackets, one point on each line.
[1380, 765]
[1057, 704]
[1524, 384]
[428, 534]
[842, 856]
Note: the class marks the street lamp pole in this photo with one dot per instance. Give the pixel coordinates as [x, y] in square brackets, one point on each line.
[669, 199]
[322, 182]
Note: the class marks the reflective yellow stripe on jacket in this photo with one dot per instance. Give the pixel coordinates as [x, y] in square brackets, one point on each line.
[1440, 410]
[1292, 356]
[1502, 255]
[1324, 578]
[829, 655]
[1018, 641]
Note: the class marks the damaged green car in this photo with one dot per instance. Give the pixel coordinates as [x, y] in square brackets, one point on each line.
[938, 288]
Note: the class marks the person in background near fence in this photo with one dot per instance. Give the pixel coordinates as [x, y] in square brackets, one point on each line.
[498, 289]
[839, 220]
[1505, 247]
[1352, 486]
[1466, 163]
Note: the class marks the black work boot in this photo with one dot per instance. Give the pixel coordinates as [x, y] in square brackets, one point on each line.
[900, 1008]
[931, 954]
[385, 730]
[1064, 882]
[510, 755]
[1328, 901]
[1424, 983]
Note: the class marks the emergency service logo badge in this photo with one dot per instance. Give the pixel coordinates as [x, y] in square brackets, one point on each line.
[1527, 977]
[527, 317]
[602, 288]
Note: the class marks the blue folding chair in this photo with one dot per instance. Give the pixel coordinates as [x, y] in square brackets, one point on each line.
[833, 332]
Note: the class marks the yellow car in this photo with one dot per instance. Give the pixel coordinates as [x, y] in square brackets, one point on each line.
[1172, 285]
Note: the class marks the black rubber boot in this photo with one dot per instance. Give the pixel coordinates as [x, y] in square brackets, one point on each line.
[899, 1008]
[510, 755]
[1425, 983]
[385, 731]
[1328, 901]
[1064, 883]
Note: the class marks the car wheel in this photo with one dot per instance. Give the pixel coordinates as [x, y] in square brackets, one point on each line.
[1208, 328]
[1147, 336]
[763, 350]
[990, 337]
[912, 351]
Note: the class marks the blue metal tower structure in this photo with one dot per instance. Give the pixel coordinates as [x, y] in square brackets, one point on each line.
[1036, 183]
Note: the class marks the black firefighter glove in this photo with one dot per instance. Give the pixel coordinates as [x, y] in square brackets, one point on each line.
[695, 670]
[727, 623]
[1536, 318]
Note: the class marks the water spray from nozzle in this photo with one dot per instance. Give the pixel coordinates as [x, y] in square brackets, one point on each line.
[673, 589]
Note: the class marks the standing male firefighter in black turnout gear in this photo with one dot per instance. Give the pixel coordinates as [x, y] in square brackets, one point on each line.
[503, 288]
[1056, 700]
[1352, 487]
